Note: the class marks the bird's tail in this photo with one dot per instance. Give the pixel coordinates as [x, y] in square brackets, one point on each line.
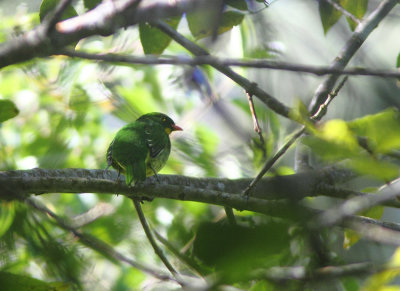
[135, 172]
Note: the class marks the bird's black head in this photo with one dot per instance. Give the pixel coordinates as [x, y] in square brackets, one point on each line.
[163, 119]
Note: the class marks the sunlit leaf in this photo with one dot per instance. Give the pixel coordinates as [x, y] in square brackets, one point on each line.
[356, 7]
[381, 170]
[334, 141]
[130, 277]
[380, 130]
[8, 110]
[350, 238]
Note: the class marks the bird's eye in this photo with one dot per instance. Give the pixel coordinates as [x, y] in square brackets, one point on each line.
[164, 119]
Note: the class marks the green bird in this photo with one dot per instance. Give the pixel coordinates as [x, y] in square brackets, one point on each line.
[141, 148]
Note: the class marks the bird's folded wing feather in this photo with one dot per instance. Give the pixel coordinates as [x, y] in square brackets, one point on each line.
[156, 139]
[130, 151]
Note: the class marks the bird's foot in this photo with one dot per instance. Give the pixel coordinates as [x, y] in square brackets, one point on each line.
[155, 174]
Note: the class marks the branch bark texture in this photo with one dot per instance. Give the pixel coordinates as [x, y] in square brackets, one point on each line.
[266, 197]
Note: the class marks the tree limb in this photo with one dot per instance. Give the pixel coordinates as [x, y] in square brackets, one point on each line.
[21, 183]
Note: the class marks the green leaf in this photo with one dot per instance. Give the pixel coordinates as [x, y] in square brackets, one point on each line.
[238, 4]
[368, 165]
[328, 150]
[301, 114]
[8, 110]
[333, 141]
[398, 61]
[49, 5]
[90, 4]
[350, 284]
[350, 238]
[356, 7]
[154, 41]
[381, 130]
[328, 14]
[236, 250]
[200, 25]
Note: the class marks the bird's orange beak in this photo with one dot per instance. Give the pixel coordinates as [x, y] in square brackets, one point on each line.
[176, 128]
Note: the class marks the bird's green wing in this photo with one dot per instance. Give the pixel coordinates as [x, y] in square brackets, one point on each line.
[156, 139]
[130, 151]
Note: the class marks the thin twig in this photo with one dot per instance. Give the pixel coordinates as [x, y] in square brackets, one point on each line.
[267, 166]
[151, 239]
[345, 12]
[324, 106]
[228, 62]
[374, 232]
[317, 116]
[96, 244]
[183, 258]
[256, 125]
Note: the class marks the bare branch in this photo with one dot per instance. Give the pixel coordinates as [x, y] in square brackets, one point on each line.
[374, 231]
[282, 274]
[336, 215]
[217, 61]
[225, 192]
